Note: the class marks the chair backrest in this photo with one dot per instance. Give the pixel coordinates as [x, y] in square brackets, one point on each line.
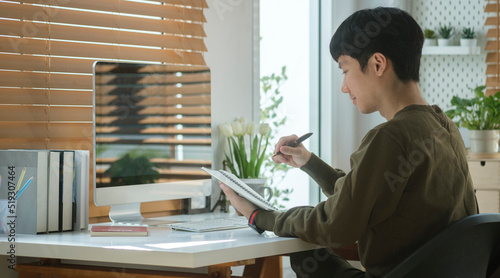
[462, 250]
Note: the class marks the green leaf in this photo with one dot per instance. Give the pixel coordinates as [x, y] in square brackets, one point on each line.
[478, 112]
[253, 157]
[243, 156]
[237, 157]
[271, 100]
[230, 165]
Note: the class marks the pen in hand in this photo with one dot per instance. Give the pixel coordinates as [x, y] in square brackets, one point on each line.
[297, 142]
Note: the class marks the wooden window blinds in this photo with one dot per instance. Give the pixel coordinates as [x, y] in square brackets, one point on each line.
[48, 48]
[492, 47]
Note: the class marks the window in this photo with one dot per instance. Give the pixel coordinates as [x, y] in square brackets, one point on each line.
[285, 42]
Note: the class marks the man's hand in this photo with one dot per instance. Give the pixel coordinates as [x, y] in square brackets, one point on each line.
[293, 156]
[239, 203]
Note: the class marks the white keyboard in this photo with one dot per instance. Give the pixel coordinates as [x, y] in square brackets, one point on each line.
[209, 225]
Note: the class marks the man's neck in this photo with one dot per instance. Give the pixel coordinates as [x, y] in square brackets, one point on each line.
[399, 96]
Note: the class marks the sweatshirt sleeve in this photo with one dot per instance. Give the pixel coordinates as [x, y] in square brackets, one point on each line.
[359, 200]
[323, 174]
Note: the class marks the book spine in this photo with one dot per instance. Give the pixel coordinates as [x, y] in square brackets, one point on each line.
[60, 192]
[53, 193]
[67, 191]
[81, 189]
[42, 191]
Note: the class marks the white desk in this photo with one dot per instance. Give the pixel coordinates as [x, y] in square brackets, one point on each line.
[163, 247]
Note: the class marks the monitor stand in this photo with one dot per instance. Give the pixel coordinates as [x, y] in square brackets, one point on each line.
[130, 214]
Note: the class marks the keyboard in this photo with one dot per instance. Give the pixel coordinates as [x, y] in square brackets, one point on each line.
[216, 224]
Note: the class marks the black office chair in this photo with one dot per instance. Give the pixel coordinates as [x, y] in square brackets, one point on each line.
[469, 248]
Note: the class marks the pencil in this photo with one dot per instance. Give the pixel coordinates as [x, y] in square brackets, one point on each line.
[23, 188]
[0, 181]
[21, 179]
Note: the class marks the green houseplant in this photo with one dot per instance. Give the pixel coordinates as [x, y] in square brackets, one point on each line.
[446, 33]
[468, 37]
[271, 99]
[133, 167]
[481, 116]
[430, 37]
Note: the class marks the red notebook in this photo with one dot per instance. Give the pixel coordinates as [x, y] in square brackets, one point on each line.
[103, 230]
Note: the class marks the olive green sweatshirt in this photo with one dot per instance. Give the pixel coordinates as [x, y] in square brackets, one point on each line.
[409, 179]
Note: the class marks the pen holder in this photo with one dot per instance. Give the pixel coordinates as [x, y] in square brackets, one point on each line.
[19, 216]
[7, 216]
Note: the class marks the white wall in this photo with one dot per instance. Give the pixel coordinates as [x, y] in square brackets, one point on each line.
[233, 60]
[443, 76]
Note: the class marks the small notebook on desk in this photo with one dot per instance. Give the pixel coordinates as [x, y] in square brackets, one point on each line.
[240, 187]
[209, 225]
[111, 230]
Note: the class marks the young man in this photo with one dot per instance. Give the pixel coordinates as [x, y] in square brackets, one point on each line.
[409, 178]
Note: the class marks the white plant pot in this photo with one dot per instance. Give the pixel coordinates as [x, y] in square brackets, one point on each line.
[430, 42]
[445, 42]
[468, 42]
[484, 141]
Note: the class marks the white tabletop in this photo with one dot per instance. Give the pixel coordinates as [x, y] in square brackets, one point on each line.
[163, 247]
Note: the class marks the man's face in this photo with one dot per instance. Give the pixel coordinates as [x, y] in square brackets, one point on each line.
[358, 84]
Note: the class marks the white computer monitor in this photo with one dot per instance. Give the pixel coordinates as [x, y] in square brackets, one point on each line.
[151, 135]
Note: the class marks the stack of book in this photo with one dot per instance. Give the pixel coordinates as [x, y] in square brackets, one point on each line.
[48, 187]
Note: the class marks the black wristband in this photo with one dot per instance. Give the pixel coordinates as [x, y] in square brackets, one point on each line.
[251, 222]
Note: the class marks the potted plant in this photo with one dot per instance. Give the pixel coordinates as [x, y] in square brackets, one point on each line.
[247, 144]
[430, 37]
[446, 33]
[133, 168]
[468, 37]
[481, 116]
[242, 161]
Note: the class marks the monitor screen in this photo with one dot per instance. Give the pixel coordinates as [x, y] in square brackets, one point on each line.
[152, 131]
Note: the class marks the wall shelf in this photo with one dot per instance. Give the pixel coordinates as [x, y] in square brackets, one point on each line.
[451, 50]
[484, 156]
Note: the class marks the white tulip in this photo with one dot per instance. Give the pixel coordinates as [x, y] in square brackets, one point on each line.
[251, 128]
[264, 129]
[243, 121]
[226, 129]
[237, 129]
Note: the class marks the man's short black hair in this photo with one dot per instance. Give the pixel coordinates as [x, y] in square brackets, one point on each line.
[389, 31]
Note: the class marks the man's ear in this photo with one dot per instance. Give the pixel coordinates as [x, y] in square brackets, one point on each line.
[379, 63]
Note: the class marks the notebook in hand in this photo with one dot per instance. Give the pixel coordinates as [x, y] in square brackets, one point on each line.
[240, 187]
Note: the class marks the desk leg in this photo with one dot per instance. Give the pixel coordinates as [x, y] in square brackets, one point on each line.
[224, 270]
[218, 271]
[268, 267]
